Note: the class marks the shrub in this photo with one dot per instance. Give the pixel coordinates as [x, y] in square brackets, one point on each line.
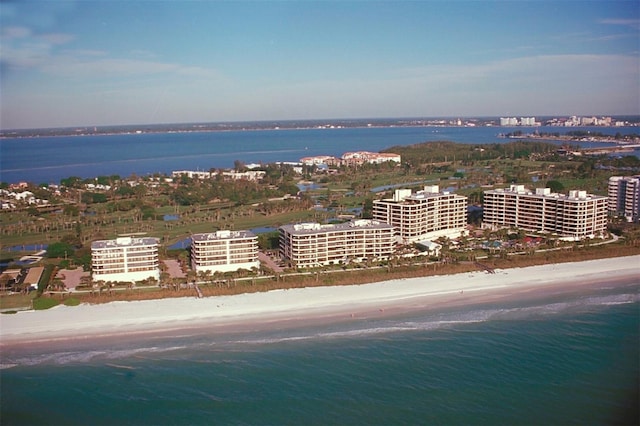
[60, 249]
[42, 303]
[72, 301]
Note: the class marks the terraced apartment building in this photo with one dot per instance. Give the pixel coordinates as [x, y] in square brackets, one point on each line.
[576, 215]
[125, 259]
[424, 215]
[307, 245]
[224, 251]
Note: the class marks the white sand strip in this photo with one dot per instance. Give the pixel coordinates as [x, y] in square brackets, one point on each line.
[305, 303]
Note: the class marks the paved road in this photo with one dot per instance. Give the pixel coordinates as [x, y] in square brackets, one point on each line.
[269, 262]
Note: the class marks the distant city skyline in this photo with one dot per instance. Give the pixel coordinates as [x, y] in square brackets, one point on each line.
[97, 63]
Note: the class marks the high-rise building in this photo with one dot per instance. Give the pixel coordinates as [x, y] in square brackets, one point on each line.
[624, 197]
[425, 215]
[576, 215]
[125, 259]
[306, 245]
[224, 251]
[509, 121]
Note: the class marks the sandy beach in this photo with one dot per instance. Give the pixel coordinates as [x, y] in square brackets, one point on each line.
[308, 304]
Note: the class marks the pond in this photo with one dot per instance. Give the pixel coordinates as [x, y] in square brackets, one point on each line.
[263, 229]
[27, 247]
[308, 186]
[181, 244]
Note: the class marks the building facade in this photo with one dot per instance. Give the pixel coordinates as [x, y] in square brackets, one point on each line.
[125, 259]
[425, 215]
[576, 215]
[224, 251]
[362, 157]
[307, 245]
[624, 197]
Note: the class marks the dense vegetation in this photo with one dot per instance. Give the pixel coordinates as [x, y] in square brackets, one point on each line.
[434, 152]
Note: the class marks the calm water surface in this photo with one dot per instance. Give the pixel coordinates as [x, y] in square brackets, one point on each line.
[49, 159]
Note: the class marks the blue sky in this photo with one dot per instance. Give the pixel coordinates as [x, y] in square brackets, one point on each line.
[92, 62]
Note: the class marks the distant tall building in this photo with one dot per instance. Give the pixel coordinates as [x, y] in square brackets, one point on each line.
[224, 251]
[427, 214]
[624, 197]
[576, 215]
[125, 259]
[508, 121]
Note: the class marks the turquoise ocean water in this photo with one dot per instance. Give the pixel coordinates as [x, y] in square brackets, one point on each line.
[567, 358]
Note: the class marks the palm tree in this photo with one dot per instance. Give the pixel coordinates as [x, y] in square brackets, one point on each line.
[4, 280]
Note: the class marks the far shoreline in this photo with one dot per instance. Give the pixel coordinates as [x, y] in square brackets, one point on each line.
[288, 124]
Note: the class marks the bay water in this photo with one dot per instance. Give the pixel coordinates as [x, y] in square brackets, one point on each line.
[50, 159]
[570, 357]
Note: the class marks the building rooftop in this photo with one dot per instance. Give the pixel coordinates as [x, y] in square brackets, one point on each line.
[124, 242]
[222, 235]
[429, 191]
[546, 193]
[314, 228]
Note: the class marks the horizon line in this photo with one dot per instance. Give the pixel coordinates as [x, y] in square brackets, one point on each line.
[335, 119]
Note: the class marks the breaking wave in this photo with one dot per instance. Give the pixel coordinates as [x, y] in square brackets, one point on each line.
[180, 346]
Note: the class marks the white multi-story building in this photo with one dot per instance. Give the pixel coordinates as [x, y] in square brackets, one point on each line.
[624, 197]
[224, 251]
[312, 244]
[192, 174]
[361, 157]
[576, 215]
[508, 121]
[125, 259]
[320, 159]
[352, 158]
[252, 175]
[425, 215]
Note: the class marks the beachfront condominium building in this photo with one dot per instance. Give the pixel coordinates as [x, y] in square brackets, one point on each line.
[224, 251]
[306, 245]
[624, 197]
[425, 215]
[576, 215]
[125, 259]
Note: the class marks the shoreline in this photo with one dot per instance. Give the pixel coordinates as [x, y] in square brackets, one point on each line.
[309, 305]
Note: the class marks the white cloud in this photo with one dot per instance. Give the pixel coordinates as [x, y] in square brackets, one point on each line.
[56, 38]
[141, 53]
[633, 23]
[21, 48]
[83, 52]
[118, 90]
[14, 32]
[545, 84]
[104, 68]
